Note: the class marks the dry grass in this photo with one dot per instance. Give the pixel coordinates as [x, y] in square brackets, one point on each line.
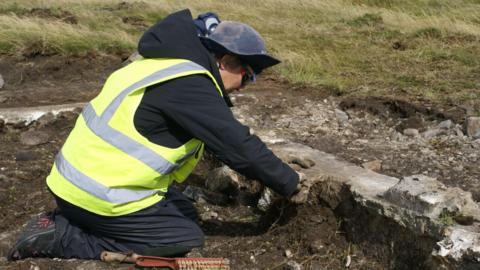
[412, 49]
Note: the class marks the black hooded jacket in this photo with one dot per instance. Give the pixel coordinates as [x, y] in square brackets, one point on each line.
[173, 112]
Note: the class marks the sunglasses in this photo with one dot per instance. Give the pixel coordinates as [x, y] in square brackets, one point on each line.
[247, 74]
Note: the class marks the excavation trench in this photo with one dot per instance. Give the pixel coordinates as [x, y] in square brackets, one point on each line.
[353, 216]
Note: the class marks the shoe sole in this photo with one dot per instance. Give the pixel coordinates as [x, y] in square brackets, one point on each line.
[15, 247]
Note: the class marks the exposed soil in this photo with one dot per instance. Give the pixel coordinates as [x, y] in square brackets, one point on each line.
[46, 13]
[40, 80]
[313, 233]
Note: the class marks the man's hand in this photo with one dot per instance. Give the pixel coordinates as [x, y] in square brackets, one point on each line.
[303, 189]
[300, 196]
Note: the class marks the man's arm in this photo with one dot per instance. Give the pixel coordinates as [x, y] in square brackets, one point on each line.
[194, 103]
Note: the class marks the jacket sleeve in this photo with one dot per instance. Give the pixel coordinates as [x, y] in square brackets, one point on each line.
[194, 103]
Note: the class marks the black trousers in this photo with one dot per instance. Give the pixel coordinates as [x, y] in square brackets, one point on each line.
[168, 228]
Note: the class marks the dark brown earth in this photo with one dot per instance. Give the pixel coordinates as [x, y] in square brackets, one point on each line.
[249, 238]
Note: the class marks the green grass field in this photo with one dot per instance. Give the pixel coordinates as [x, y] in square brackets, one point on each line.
[421, 51]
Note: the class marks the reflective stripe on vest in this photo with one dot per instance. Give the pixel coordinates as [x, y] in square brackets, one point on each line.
[99, 126]
[85, 183]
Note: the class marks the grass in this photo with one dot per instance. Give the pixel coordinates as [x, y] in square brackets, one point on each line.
[410, 49]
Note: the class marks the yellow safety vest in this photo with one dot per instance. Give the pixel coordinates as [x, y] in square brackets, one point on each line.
[105, 165]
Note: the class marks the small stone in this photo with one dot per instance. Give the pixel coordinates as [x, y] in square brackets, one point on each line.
[288, 253]
[26, 156]
[266, 200]
[195, 194]
[477, 135]
[459, 132]
[447, 124]
[374, 165]
[411, 132]
[434, 132]
[341, 116]
[209, 215]
[293, 265]
[2, 81]
[472, 125]
[32, 138]
[304, 162]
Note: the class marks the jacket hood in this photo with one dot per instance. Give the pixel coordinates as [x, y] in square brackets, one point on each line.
[176, 37]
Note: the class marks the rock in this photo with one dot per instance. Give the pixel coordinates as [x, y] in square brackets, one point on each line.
[200, 195]
[477, 135]
[208, 215]
[447, 124]
[2, 82]
[429, 197]
[434, 132]
[293, 265]
[45, 119]
[459, 132]
[374, 165]
[304, 162]
[223, 179]
[195, 194]
[26, 156]
[457, 243]
[411, 132]
[32, 138]
[288, 253]
[472, 125]
[3, 99]
[266, 199]
[2, 125]
[341, 116]
[228, 182]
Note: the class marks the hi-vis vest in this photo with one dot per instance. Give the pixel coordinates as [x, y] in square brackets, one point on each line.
[106, 166]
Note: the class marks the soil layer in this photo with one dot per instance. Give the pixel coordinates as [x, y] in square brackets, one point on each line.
[311, 233]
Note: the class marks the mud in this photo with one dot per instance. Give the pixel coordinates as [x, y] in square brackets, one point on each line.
[315, 234]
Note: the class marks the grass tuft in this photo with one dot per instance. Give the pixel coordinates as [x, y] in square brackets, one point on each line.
[429, 32]
[367, 19]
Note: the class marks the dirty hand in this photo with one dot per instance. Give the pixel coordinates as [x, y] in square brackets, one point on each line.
[303, 189]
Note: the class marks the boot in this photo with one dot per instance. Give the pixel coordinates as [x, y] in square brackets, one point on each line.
[36, 240]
